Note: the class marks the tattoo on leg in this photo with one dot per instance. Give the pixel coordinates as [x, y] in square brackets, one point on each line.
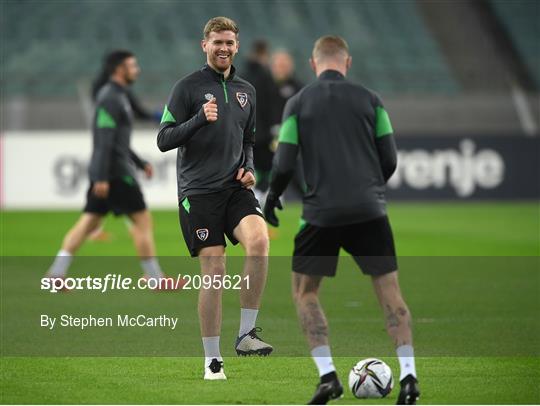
[392, 319]
[398, 323]
[313, 322]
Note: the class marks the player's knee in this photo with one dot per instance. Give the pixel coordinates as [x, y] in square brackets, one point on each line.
[306, 289]
[212, 264]
[257, 246]
[91, 224]
[215, 269]
[142, 220]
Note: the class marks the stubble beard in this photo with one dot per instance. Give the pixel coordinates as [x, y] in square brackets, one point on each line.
[217, 62]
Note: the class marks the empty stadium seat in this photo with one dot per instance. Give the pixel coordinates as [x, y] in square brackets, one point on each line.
[49, 48]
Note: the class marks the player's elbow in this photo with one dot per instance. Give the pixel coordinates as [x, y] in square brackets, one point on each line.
[162, 143]
[162, 147]
[392, 165]
[283, 171]
[388, 164]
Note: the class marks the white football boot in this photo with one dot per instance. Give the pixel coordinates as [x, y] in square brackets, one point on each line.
[214, 371]
[251, 344]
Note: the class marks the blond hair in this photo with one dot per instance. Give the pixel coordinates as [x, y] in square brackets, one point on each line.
[218, 24]
[330, 46]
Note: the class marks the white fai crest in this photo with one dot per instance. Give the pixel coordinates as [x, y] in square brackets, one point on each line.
[242, 99]
[208, 96]
[202, 234]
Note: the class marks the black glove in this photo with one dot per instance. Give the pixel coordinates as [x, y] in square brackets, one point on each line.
[272, 201]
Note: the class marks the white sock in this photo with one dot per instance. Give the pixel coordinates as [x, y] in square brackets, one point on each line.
[211, 349]
[248, 317]
[323, 359]
[151, 268]
[405, 355]
[60, 265]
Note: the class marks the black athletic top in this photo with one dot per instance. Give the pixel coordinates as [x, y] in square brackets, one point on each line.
[112, 157]
[209, 154]
[345, 138]
[263, 82]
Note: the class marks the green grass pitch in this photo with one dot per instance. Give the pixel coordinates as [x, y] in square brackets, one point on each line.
[476, 330]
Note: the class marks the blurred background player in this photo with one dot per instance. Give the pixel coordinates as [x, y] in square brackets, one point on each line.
[210, 119]
[257, 72]
[283, 72]
[282, 68]
[113, 186]
[349, 153]
[140, 112]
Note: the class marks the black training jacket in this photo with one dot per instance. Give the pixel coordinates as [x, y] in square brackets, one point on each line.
[209, 154]
[348, 152]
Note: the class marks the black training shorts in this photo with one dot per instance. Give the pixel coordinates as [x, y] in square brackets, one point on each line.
[205, 219]
[371, 244]
[125, 197]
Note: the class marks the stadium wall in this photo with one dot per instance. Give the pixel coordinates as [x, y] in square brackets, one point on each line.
[48, 170]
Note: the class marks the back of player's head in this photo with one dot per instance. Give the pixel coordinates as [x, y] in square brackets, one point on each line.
[219, 24]
[114, 59]
[330, 47]
[260, 47]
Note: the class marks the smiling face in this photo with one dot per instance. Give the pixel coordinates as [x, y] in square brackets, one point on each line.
[220, 48]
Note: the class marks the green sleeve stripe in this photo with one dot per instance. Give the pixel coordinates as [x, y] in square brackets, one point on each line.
[104, 119]
[288, 133]
[382, 123]
[167, 116]
[129, 180]
[186, 204]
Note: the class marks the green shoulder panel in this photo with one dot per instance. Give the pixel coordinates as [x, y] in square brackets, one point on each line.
[167, 116]
[382, 123]
[302, 224]
[288, 133]
[104, 119]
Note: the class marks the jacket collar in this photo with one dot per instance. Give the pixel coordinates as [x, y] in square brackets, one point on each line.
[217, 75]
[331, 74]
[117, 86]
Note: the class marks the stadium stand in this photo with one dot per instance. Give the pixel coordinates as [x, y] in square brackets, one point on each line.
[64, 41]
[521, 19]
[433, 77]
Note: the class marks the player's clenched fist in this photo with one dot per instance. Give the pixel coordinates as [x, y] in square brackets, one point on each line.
[210, 110]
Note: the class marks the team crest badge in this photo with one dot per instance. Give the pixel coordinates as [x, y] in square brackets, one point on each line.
[242, 99]
[202, 234]
[208, 96]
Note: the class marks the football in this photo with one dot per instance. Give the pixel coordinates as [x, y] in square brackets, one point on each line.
[371, 378]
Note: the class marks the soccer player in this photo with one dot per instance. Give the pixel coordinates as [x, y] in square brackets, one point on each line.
[282, 67]
[210, 119]
[257, 72]
[113, 186]
[346, 140]
[139, 112]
